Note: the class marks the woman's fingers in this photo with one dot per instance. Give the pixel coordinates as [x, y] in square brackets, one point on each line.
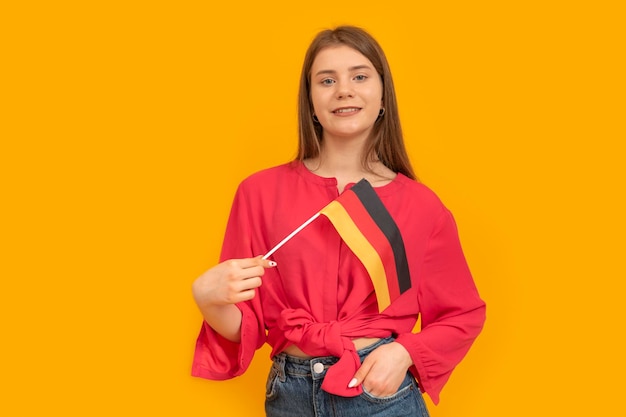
[231, 281]
[244, 276]
[246, 263]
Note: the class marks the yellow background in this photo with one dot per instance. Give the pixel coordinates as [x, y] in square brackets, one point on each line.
[126, 126]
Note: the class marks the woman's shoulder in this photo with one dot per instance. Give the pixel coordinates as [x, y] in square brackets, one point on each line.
[418, 192]
[270, 176]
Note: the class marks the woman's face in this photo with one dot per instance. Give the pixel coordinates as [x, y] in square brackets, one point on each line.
[346, 92]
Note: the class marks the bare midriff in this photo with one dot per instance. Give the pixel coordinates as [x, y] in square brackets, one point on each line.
[359, 343]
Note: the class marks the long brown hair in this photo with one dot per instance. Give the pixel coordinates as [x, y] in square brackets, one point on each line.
[386, 142]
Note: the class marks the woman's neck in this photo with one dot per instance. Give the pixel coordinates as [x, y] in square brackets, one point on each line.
[344, 163]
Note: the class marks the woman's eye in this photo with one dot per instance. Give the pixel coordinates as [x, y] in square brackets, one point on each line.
[360, 77]
[328, 81]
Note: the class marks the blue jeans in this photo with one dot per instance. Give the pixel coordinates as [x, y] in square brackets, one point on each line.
[293, 389]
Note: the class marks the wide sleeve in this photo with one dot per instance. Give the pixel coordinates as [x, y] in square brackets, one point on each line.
[452, 312]
[216, 357]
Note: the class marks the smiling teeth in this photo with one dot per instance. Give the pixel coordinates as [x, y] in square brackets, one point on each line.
[346, 110]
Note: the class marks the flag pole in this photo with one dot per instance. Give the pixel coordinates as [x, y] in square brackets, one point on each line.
[292, 234]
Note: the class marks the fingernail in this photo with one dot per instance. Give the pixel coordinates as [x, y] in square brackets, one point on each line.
[352, 383]
[272, 263]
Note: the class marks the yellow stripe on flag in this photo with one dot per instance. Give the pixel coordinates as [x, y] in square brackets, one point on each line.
[362, 248]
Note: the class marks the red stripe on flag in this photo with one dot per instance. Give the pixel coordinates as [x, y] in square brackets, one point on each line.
[368, 227]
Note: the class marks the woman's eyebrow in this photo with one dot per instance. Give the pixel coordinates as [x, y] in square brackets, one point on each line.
[358, 67]
[321, 72]
[354, 68]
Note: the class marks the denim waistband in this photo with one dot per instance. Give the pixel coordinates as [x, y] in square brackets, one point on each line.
[292, 365]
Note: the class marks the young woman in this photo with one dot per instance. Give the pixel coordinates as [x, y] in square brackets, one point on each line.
[334, 352]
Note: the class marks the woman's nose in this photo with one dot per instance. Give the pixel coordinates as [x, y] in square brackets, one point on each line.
[345, 94]
[344, 90]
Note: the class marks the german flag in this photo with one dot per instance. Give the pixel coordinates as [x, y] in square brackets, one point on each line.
[370, 232]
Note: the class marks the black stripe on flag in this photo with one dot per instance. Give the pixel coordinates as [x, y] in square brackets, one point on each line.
[387, 225]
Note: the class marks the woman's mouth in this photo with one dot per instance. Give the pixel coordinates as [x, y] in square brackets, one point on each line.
[345, 111]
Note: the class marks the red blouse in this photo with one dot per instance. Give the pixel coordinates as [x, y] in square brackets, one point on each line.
[320, 296]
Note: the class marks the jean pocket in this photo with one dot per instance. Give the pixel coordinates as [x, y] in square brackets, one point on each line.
[406, 388]
[270, 384]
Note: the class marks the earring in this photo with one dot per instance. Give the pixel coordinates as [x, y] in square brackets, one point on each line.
[381, 113]
[315, 119]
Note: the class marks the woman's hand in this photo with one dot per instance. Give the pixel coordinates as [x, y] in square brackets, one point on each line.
[218, 290]
[383, 370]
[230, 282]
